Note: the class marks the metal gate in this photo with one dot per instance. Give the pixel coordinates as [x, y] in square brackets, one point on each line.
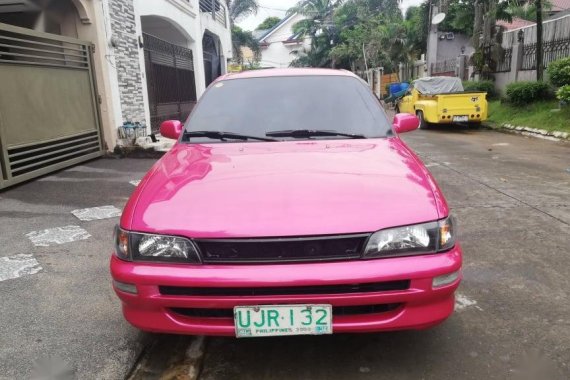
[212, 60]
[49, 116]
[170, 80]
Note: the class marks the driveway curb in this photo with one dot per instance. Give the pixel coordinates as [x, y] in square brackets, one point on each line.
[530, 132]
[170, 357]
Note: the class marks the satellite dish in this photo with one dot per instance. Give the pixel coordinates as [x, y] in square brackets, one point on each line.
[438, 18]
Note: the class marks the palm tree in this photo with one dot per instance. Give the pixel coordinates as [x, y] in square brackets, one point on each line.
[394, 40]
[239, 9]
[318, 24]
[317, 56]
[526, 9]
[243, 38]
[318, 16]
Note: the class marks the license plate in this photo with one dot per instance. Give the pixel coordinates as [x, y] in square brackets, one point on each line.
[460, 118]
[275, 320]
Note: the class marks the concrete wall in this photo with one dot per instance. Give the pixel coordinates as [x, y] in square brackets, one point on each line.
[515, 74]
[555, 29]
[447, 49]
[501, 81]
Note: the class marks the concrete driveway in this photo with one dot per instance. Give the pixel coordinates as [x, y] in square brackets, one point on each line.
[511, 196]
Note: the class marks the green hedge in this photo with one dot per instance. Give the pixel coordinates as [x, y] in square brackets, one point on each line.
[563, 94]
[559, 72]
[483, 86]
[521, 93]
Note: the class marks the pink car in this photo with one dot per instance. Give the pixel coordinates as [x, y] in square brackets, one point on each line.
[289, 206]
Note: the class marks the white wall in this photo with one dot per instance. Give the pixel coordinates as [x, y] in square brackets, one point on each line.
[182, 16]
[278, 54]
[191, 23]
[177, 21]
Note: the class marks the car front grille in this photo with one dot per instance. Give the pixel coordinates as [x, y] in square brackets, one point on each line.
[286, 290]
[337, 311]
[296, 249]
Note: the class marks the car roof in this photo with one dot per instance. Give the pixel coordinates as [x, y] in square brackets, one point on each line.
[286, 72]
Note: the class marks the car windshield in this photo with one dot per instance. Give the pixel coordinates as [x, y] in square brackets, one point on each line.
[261, 106]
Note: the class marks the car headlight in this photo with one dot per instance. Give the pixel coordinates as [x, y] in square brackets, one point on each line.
[416, 239]
[151, 247]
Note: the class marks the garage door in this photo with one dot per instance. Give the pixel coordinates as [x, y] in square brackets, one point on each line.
[49, 115]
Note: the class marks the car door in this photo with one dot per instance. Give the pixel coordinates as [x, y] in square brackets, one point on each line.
[405, 105]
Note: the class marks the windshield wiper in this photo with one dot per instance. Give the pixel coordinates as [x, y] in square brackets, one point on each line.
[219, 135]
[303, 133]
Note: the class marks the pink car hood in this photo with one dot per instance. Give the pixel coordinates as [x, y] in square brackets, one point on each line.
[284, 189]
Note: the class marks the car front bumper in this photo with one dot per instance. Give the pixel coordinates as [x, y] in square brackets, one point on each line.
[418, 306]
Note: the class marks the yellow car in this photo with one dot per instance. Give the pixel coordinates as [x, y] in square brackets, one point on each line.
[442, 100]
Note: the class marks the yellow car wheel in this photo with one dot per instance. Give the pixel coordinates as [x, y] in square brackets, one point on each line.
[423, 123]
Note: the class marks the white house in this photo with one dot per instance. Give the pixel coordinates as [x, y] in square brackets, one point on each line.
[279, 44]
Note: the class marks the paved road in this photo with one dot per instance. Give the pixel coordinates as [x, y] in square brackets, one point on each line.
[511, 195]
[67, 311]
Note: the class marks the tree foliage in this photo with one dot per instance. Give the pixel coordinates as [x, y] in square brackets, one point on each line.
[559, 72]
[268, 23]
[318, 26]
[356, 34]
[239, 9]
[243, 38]
[416, 22]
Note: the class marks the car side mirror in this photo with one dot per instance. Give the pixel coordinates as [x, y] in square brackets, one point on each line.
[171, 129]
[404, 122]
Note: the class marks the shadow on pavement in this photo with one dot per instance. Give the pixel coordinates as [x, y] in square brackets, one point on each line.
[346, 356]
[455, 128]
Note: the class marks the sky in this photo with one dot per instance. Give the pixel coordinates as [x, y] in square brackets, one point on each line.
[278, 8]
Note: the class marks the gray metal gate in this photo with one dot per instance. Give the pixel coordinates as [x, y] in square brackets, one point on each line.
[170, 80]
[212, 61]
[49, 117]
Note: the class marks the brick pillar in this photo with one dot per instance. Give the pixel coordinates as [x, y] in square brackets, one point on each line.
[123, 26]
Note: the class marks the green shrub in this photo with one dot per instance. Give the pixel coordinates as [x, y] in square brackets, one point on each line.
[483, 86]
[521, 93]
[559, 72]
[563, 94]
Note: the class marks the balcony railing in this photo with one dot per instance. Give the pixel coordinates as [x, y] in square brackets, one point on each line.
[216, 8]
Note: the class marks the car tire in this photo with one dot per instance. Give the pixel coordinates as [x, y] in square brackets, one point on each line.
[423, 123]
